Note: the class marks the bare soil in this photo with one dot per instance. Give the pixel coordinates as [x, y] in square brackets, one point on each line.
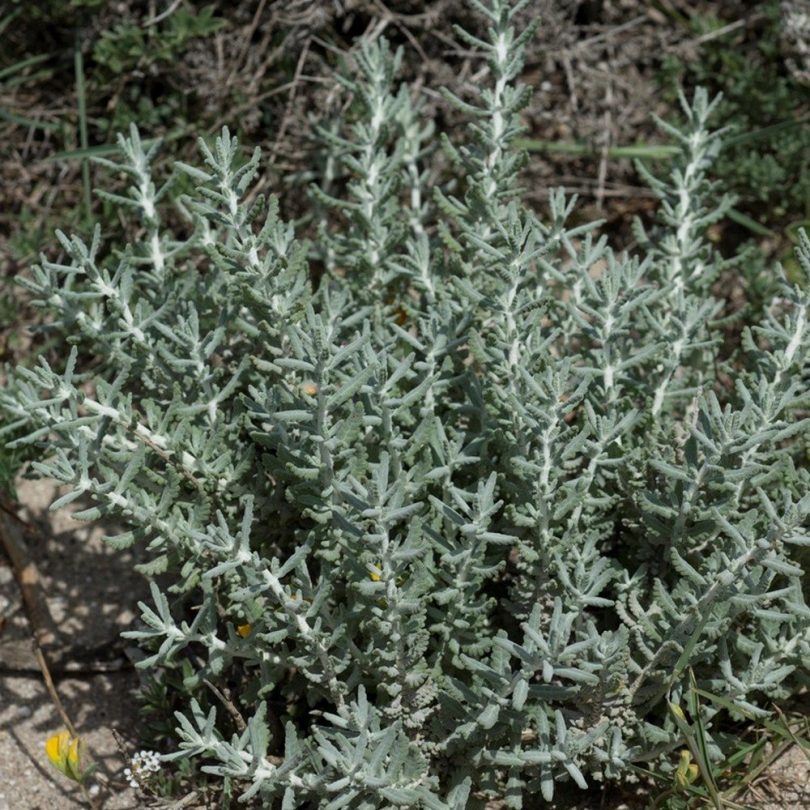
[91, 594]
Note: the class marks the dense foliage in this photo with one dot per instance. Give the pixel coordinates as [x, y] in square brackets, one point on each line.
[451, 517]
[764, 103]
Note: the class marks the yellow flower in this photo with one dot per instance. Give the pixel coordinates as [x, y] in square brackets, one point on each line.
[64, 752]
[377, 577]
[244, 630]
[687, 771]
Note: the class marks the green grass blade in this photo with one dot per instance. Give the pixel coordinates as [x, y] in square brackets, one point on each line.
[534, 145]
[644, 151]
[640, 151]
[8, 19]
[776, 728]
[81, 99]
[107, 149]
[764, 132]
[703, 761]
[23, 64]
[102, 150]
[739, 756]
[751, 224]
[686, 655]
[24, 121]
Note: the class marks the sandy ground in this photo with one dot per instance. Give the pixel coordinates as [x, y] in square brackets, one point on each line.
[786, 786]
[91, 592]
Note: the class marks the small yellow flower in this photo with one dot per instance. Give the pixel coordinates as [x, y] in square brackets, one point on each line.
[377, 577]
[64, 752]
[687, 771]
[244, 630]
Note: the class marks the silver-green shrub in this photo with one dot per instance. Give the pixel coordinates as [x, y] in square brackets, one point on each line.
[452, 522]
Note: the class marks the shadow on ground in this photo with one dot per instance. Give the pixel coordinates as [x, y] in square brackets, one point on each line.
[91, 593]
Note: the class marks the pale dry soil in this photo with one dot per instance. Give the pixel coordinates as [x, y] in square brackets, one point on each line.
[92, 593]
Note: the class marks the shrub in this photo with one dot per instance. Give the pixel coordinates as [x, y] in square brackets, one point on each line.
[453, 521]
[764, 160]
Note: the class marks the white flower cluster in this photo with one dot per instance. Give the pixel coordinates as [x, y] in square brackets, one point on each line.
[142, 764]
